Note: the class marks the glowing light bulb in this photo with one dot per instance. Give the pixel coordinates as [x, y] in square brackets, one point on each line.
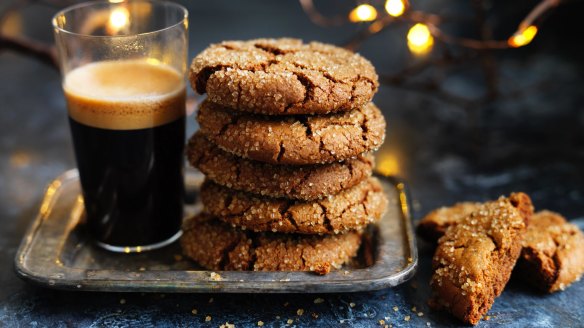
[395, 8]
[420, 40]
[523, 37]
[363, 13]
[118, 19]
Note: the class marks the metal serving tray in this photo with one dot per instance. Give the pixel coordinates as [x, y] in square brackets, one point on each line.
[55, 253]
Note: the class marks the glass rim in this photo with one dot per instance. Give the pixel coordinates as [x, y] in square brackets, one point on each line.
[102, 2]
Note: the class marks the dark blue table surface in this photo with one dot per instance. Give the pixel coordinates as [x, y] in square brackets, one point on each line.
[533, 143]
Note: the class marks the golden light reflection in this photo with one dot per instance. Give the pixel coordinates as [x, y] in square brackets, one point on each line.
[363, 13]
[420, 40]
[522, 37]
[395, 8]
[388, 164]
[118, 20]
[48, 200]
[12, 25]
[20, 159]
[153, 61]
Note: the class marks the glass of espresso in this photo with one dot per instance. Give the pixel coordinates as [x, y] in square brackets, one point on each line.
[123, 67]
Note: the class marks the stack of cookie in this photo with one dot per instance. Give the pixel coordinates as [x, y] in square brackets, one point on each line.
[285, 142]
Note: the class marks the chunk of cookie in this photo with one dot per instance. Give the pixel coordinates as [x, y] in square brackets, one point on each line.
[474, 259]
[435, 223]
[217, 246]
[295, 140]
[305, 182]
[351, 209]
[283, 76]
[553, 252]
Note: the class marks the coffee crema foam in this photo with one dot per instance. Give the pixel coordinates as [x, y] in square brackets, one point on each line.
[125, 94]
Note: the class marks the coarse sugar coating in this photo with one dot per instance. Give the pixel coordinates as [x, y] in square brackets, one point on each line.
[553, 252]
[283, 76]
[306, 182]
[434, 224]
[294, 140]
[351, 209]
[217, 246]
[474, 259]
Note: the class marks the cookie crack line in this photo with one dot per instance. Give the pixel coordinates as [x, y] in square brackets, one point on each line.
[327, 220]
[289, 217]
[225, 255]
[281, 152]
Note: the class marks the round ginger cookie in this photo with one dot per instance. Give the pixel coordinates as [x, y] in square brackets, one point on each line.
[283, 77]
[217, 246]
[297, 182]
[293, 140]
[351, 209]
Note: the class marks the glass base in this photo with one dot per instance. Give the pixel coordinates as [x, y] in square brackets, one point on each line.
[140, 249]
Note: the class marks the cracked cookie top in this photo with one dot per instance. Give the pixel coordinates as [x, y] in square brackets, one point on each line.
[217, 246]
[306, 182]
[294, 140]
[351, 209]
[283, 77]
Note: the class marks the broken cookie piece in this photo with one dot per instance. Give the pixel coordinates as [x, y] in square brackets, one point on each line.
[553, 252]
[435, 223]
[475, 257]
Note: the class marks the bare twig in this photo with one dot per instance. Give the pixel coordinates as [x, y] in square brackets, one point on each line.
[317, 18]
[538, 11]
[43, 52]
[487, 61]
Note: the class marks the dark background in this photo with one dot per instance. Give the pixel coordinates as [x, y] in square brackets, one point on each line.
[532, 141]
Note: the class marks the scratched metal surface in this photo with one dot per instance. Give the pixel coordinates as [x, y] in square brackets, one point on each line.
[534, 144]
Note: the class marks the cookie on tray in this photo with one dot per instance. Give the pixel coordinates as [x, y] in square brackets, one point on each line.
[306, 182]
[474, 259]
[553, 252]
[294, 140]
[351, 209]
[434, 224]
[217, 246]
[283, 76]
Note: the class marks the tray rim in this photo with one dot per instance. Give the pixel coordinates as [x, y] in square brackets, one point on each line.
[310, 284]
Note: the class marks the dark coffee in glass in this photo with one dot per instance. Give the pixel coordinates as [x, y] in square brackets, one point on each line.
[123, 65]
[127, 119]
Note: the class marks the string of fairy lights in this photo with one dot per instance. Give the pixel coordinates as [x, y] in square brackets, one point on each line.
[424, 33]
[425, 27]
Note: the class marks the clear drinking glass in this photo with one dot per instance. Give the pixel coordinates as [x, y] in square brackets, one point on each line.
[123, 67]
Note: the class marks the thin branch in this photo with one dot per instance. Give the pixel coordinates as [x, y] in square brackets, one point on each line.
[537, 12]
[488, 66]
[43, 52]
[317, 18]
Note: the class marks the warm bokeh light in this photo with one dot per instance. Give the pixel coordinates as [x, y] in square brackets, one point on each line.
[20, 158]
[522, 38]
[395, 8]
[363, 13]
[387, 164]
[420, 40]
[118, 19]
[12, 25]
